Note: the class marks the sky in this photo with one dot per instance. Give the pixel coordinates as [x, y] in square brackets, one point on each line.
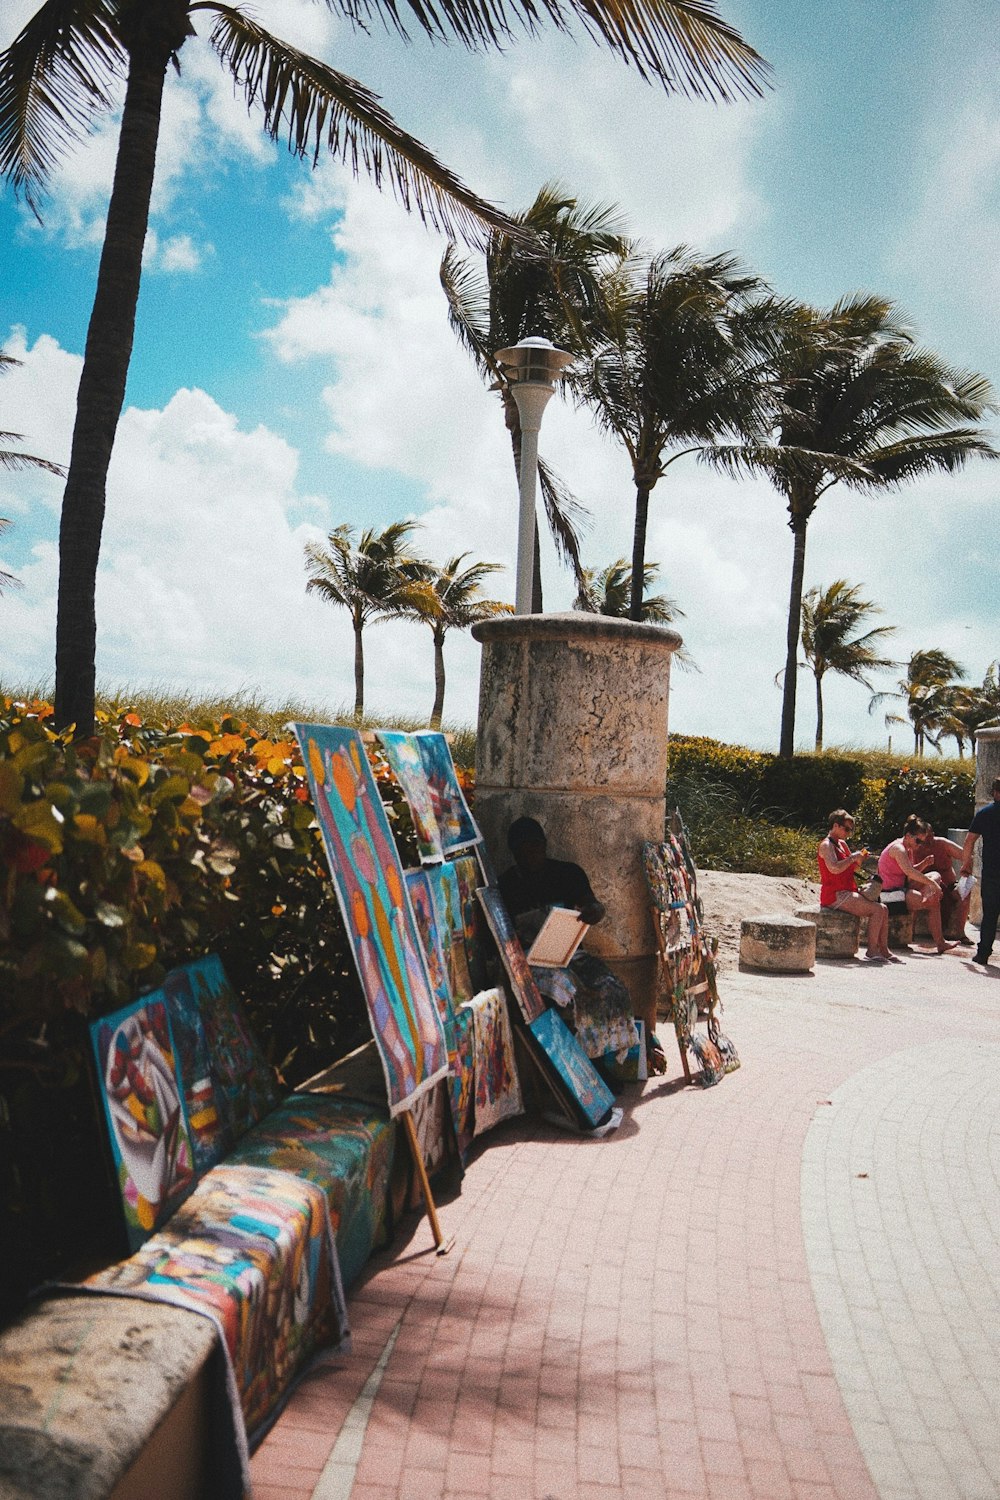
[293, 367]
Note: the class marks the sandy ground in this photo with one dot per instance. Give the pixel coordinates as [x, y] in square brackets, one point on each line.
[728, 898]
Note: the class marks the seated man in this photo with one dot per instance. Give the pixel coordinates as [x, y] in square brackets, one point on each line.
[943, 854]
[533, 884]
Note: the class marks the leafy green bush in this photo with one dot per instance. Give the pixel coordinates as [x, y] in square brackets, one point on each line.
[724, 836]
[944, 796]
[800, 792]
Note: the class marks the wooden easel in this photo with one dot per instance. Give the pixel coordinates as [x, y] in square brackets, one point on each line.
[441, 1245]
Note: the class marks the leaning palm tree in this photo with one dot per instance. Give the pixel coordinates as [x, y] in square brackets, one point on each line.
[855, 402]
[451, 599]
[829, 619]
[375, 578]
[932, 696]
[63, 69]
[669, 366]
[543, 283]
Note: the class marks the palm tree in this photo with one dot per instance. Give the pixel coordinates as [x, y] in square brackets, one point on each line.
[608, 591]
[453, 601]
[829, 619]
[544, 283]
[668, 366]
[13, 458]
[377, 578]
[978, 708]
[59, 74]
[855, 403]
[932, 695]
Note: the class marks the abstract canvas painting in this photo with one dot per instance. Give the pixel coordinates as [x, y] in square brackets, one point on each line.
[421, 899]
[368, 879]
[497, 1087]
[403, 755]
[455, 821]
[140, 1087]
[529, 1001]
[586, 1089]
[228, 1083]
[469, 880]
[447, 897]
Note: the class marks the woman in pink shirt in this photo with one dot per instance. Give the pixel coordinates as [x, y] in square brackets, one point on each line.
[902, 870]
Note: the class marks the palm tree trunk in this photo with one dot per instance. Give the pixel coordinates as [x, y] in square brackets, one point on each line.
[108, 350]
[359, 669]
[819, 710]
[639, 550]
[786, 748]
[438, 708]
[536, 576]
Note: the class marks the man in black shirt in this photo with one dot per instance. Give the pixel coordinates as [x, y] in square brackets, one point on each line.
[534, 881]
[986, 825]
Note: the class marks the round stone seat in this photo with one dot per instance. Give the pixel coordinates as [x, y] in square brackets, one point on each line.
[779, 944]
[900, 929]
[836, 931]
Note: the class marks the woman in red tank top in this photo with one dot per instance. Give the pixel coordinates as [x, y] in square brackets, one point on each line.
[838, 888]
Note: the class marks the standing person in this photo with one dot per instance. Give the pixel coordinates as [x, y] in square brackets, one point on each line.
[902, 868]
[986, 825]
[944, 854]
[839, 889]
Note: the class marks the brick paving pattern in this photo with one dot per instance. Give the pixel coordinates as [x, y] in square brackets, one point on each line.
[654, 1314]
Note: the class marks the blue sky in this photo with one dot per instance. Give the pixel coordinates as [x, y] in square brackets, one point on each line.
[293, 368]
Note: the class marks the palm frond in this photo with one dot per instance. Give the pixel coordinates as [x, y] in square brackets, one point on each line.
[565, 515]
[683, 45]
[317, 109]
[468, 295]
[55, 77]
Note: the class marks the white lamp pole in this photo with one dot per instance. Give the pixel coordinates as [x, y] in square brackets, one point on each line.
[533, 366]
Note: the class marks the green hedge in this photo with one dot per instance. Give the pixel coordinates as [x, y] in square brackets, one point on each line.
[800, 792]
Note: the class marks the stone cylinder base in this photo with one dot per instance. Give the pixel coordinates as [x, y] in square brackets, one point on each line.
[836, 931]
[778, 944]
[901, 930]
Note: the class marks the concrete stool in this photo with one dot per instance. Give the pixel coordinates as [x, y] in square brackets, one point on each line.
[779, 944]
[900, 929]
[836, 931]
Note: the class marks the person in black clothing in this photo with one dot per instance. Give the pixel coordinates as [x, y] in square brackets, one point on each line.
[986, 825]
[535, 882]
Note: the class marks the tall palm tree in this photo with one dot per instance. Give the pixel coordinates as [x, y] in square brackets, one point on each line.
[932, 694]
[452, 600]
[60, 72]
[13, 458]
[829, 619]
[668, 367]
[375, 578]
[543, 283]
[978, 708]
[855, 403]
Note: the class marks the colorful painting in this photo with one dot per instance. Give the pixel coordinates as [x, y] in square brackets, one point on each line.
[469, 880]
[529, 1001]
[422, 900]
[343, 1146]
[368, 879]
[497, 1087]
[447, 897]
[455, 821]
[403, 755]
[430, 1120]
[140, 1086]
[252, 1249]
[590, 1095]
[228, 1084]
[462, 1083]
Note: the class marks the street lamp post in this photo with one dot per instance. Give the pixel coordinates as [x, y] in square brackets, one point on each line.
[532, 366]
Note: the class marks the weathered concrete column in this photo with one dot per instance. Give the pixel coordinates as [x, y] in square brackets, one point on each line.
[573, 731]
[987, 764]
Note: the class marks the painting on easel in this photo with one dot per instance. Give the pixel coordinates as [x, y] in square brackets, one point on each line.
[368, 879]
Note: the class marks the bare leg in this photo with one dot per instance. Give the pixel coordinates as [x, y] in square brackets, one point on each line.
[877, 917]
[928, 899]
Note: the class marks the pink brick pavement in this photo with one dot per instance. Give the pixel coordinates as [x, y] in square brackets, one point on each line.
[633, 1316]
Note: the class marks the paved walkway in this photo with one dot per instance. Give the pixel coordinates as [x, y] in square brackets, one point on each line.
[782, 1288]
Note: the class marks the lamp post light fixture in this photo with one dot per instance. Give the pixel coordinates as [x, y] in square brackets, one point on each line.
[532, 367]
